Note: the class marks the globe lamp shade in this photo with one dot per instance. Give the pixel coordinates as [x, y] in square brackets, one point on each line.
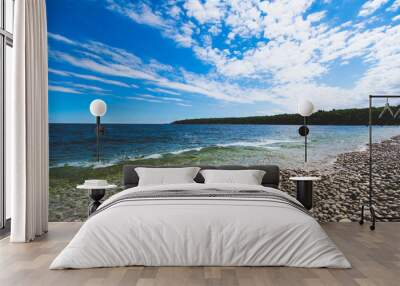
[305, 108]
[98, 107]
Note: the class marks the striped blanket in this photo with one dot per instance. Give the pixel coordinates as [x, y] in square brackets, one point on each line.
[206, 194]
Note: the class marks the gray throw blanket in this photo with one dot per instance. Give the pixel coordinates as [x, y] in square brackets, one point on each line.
[205, 194]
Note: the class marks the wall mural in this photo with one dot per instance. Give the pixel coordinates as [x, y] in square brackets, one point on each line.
[248, 63]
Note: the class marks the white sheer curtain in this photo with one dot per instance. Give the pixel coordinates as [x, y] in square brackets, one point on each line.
[27, 124]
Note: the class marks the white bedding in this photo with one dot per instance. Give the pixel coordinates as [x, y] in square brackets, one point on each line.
[200, 231]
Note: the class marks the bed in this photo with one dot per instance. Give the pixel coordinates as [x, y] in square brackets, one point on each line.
[197, 224]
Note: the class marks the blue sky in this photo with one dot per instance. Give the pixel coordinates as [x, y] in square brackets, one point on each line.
[159, 61]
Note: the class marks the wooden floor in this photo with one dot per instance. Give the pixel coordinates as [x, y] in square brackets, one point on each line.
[375, 257]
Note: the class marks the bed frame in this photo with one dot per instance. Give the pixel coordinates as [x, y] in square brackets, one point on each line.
[271, 178]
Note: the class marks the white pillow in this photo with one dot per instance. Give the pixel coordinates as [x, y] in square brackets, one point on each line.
[248, 177]
[166, 176]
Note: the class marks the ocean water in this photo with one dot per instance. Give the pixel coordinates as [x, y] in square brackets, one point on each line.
[75, 144]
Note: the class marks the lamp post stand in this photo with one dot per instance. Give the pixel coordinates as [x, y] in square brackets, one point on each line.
[305, 140]
[98, 138]
[303, 131]
[98, 108]
[305, 109]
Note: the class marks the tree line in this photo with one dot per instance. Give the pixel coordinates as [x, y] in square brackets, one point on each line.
[353, 116]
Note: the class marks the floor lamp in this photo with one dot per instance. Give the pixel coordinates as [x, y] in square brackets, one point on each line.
[305, 183]
[98, 108]
[305, 109]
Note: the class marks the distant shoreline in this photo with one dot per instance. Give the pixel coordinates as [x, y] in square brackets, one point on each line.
[174, 123]
[354, 116]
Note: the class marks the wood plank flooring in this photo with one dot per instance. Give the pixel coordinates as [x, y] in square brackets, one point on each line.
[375, 257]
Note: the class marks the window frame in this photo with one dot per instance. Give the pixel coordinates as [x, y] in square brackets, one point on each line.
[6, 39]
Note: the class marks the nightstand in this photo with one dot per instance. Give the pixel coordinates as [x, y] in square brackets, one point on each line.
[305, 190]
[96, 191]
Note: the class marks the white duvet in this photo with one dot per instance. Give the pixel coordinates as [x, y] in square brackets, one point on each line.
[193, 231]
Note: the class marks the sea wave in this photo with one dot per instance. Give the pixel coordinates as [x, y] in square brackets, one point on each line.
[260, 144]
[219, 149]
[186, 150]
[362, 148]
[87, 164]
[153, 156]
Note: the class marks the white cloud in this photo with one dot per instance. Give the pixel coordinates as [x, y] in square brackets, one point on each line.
[95, 55]
[161, 90]
[175, 11]
[142, 13]
[274, 51]
[158, 99]
[394, 7]
[184, 104]
[147, 96]
[290, 47]
[244, 18]
[273, 111]
[371, 6]
[134, 85]
[60, 38]
[316, 17]
[109, 68]
[63, 89]
[89, 87]
[151, 100]
[204, 87]
[171, 99]
[210, 11]
[89, 77]
[139, 12]
[78, 88]
[396, 18]
[58, 72]
[113, 64]
[157, 66]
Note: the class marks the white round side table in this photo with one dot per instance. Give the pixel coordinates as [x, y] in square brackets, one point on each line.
[96, 193]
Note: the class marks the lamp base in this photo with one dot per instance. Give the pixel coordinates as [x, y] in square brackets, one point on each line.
[305, 193]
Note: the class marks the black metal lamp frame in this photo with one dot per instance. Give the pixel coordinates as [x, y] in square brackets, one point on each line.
[303, 131]
[99, 131]
[370, 204]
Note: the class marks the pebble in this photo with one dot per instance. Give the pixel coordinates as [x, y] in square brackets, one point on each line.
[344, 185]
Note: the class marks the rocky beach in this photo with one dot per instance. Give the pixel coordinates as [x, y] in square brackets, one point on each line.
[344, 184]
[337, 196]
